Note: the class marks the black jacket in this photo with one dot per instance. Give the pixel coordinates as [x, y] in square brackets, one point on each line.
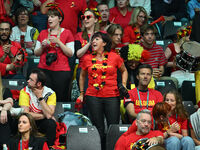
[35, 142]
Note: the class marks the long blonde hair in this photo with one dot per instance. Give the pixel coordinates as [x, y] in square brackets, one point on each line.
[135, 14]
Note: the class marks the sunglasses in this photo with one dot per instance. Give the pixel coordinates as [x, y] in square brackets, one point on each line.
[87, 17]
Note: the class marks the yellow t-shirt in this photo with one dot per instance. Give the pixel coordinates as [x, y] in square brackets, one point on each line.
[28, 98]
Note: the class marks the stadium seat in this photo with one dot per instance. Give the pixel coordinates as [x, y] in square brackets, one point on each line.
[163, 43]
[164, 85]
[14, 84]
[64, 106]
[113, 134]
[171, 27]
[188, 91]
[32, 63]
[189, 106]
[83, 138]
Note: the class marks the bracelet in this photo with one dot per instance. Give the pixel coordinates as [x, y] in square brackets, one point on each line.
[81, 91]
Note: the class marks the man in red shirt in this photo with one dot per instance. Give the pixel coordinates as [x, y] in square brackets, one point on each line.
[142, 97]
[71, 9]
[157, 59]
[8, 49]
[143, 123]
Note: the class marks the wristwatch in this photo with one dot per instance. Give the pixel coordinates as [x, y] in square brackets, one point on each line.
[40, 99]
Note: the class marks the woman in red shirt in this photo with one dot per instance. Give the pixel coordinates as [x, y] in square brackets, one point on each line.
[82, 39]
[121, 13]
[132, 31]
[174, 123]
[54, 46]
[102, 95]
[28, 137]
[183, 35]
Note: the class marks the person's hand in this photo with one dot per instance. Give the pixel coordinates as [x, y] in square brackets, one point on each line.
[54, 39]
[45, 43]
[3, 118]
[37, 92]
[6, 48]
[157, 73]
[81, 98]
[152, 141]
[168, 18]
[174, 128]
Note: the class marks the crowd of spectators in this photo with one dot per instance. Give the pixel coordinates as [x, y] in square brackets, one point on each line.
[106, 49]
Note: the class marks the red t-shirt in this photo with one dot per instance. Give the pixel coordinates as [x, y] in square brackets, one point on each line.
[61, 64]
[78, 37]
[118, 18]
[182, 123]
[3, 69]
[110, 88]
[25, 146]
[130, 35]
[92, 4]
[71, 10]
[157, 57]
[154, 97]
[14, 49]
[126, 142]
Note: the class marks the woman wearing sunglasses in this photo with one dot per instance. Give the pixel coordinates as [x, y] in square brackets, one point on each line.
[54, 46]
[90, 21]
[173, 123]
[102, 95]
[132, 31]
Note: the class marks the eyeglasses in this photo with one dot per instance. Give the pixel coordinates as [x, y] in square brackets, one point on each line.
[142, 17]
[86, 16]
[4, 29]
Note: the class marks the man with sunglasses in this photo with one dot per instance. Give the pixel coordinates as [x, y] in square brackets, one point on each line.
[8, 49]
[143, 123]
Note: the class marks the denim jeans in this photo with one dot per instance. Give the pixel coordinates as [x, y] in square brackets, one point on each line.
[174, 143]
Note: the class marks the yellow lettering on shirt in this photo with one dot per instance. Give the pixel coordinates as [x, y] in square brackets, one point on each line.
[144, 103]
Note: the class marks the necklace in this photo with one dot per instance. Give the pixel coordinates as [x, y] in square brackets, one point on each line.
[95, 69]
[140, 99]
[137, 35]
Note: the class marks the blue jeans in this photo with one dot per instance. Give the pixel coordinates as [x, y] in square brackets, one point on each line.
[174, 143]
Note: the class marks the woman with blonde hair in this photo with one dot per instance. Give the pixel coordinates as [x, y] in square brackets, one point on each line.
[139, 17]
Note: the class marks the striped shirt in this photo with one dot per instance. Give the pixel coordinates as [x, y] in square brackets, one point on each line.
[157, 57]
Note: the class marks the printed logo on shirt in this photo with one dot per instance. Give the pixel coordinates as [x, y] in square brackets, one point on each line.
[100, 66]
[144, 103]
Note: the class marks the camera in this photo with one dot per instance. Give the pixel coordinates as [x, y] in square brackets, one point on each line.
[50, 57]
